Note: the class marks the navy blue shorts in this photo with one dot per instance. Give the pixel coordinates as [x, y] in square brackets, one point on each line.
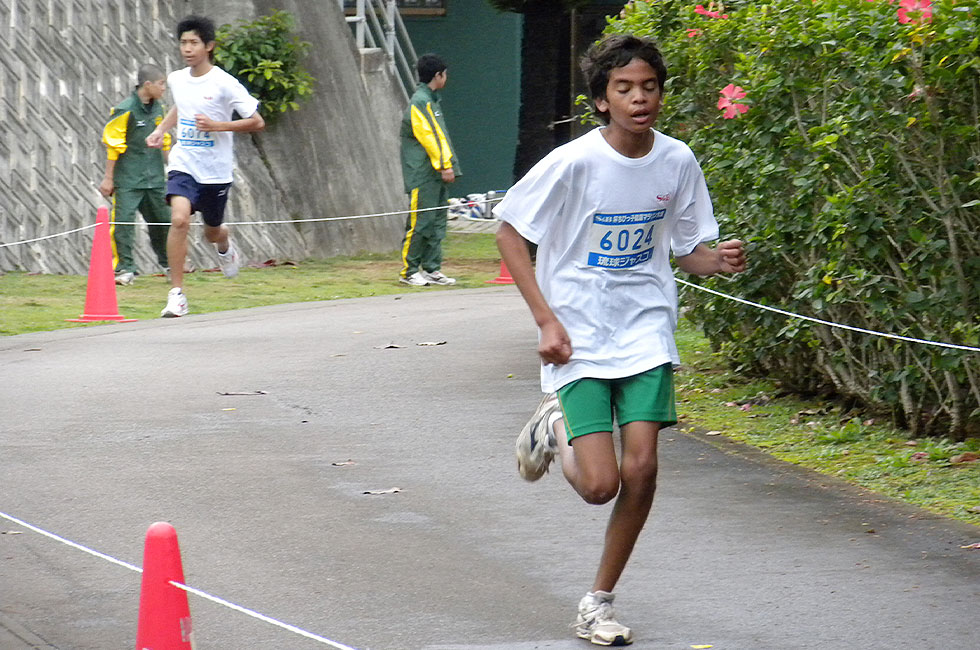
[208, 199]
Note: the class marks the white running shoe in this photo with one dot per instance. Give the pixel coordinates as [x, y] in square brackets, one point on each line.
[437, 277]
[597, 621]
[176, 304]
[125, 277]
[536, 444]
[415, 280]
[229, 261]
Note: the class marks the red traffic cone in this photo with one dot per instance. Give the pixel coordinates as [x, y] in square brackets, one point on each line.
[100, 298]
[504, 277]
[165, 616]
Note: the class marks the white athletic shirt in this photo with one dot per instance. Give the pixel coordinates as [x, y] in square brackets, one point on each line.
[604, 225]
[207, 156]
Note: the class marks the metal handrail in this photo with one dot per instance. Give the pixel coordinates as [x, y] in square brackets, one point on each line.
[378, 24]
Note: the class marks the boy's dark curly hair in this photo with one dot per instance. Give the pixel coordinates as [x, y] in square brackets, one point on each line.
[616, 51]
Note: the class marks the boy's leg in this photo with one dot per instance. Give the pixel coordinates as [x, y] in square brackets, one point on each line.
[180, 222]
[124, 205]
[418, 228]
[155, 211]
[638, 480]
[432, 255]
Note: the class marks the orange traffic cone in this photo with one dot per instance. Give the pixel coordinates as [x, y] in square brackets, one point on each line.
[100, 298]
[504, 277]
[165, 616]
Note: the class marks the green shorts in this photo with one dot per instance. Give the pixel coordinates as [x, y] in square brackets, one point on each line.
[589, 404]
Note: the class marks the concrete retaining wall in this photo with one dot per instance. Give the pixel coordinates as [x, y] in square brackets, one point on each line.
[64, 63]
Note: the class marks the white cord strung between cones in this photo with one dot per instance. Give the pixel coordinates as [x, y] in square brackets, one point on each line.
[196, 592]
[790, 314]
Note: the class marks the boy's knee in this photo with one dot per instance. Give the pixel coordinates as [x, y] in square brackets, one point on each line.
[180, 221]
[599, 492]
[642, 475]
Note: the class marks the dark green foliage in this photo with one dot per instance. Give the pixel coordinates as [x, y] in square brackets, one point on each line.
[265, 57]
[854, 177]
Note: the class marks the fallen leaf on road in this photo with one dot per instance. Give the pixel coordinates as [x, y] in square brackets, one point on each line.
[702, 647]
[427, 343]
[249, 392]
[713, 433]
[975, 547]
[388, 347]
[388, 491]
[343, 463]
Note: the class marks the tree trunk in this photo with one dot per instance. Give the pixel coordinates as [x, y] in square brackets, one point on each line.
[542, 65]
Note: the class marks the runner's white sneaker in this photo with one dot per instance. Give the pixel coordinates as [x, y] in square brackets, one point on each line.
[125, 277]
[536, 444]
[437, 277]
[229, 261]
[176, 304]
[597, 621]
[415, 280]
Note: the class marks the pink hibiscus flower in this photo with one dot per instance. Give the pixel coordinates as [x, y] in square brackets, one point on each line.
[915, 11]
[710, 14]
[728, 104]
[691, 33]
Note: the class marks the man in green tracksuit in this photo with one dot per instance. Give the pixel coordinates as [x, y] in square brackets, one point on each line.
[134, 173]
[429, 164]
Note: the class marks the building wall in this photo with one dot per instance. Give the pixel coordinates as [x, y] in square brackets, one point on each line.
[482, 48]
[65, 63]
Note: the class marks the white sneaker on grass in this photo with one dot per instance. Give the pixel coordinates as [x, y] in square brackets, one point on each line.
[536, 444]
[438, 277]
[414, 280]
[124, 278]
[176, 304]
[229, 261]
[597, 621]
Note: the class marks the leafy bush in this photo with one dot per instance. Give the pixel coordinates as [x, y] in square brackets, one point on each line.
[849, 162]
[266, 59]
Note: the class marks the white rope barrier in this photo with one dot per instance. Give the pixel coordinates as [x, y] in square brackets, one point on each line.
[58, 234]
[861, 330]
[192, 590]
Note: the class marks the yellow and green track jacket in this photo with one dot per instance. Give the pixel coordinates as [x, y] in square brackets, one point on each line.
[426, 148]
[137, 166]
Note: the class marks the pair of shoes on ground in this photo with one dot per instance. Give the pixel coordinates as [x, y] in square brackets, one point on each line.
[124, 278]
[425, 278]
[597, 622]
[230, 263]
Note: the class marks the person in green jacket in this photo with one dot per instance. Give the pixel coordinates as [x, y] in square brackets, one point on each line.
[429, 164]
[134, 174]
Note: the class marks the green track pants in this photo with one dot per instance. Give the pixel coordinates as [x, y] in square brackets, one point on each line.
[152, 204]
[425, 229]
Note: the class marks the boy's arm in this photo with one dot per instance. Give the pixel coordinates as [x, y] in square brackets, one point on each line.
[727, 257]
[155, 139]
[108, 184]
[555, 346]
[245, 125]
[426, 130]
[114, 138]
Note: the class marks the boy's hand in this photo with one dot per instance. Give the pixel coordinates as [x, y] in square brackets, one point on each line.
[106, 187]
[203, 122]
[448, 175]
[731, 256]
[555, 346]
[155, 140]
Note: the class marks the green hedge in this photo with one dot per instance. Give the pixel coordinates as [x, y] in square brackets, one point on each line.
[851, 168]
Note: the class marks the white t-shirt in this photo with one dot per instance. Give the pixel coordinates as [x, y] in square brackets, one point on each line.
[604, 225]
[207, 156]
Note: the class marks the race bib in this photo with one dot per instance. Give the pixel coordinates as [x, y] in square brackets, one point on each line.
[189, 136]
[622, 241]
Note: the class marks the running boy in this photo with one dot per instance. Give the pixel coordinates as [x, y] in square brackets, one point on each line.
[605, 211]
[134, 174]
[200, 171]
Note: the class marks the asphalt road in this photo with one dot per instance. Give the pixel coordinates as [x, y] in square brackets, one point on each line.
[105, 430]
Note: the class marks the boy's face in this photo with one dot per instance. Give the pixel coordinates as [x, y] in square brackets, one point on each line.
[632, 97]
[194, 49]
[440, 80]
[155, 89]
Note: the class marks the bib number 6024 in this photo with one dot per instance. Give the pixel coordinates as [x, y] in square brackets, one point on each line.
[627, 239]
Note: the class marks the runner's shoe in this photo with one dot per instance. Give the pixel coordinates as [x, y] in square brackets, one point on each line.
[229, 261]
[415, 280]
[437, 277]
[597, 621]
[536, 444]
[176, 304]
[125, 277]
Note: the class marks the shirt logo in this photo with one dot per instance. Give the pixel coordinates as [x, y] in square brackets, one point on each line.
[208, 99]
[663, 197]
[140, 122]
